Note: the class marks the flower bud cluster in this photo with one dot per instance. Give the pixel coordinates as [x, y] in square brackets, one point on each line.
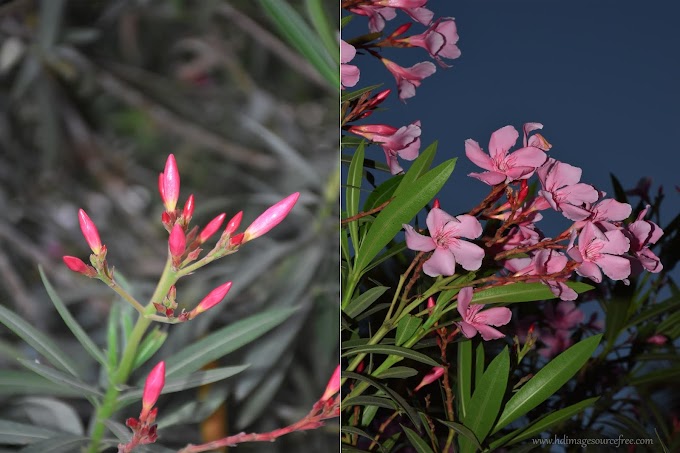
[144, 429]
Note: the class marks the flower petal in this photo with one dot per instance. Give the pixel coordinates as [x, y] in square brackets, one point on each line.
[418, 242]
[490, 177]
[466, 226]
[441, 262]
[489, 333]
[478, 157]
[616, 243]
[467, 329]
[501, 141]
[614, 267]
[437, 219]
[590, 270]
[467, 254]
[527, 157]
[497, 316]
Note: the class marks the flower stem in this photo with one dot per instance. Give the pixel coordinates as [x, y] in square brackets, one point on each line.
[122, 373]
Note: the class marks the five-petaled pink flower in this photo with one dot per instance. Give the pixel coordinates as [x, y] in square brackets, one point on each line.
[403, 142]
[409, 78]
[563, 191]
[439, 40]
[544, 262]
[605, 212]
[597, 250]
[501, 166]
[349, 74]
[446, 232]
[643, 233]
[475, 320]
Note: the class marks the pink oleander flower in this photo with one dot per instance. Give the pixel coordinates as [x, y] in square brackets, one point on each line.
[605, 212]
[564, 316]
[270, 218]
[152, 389]
[439, 40]
[544, 262]
[349, 74]
[555, 342]
[436, 373]
[403, 142]
[643, 233]
[475, 320]
[333, 385]
[213, 298]
[501, 166]
[446, 232]
[402, 4]
[79, 266]
[90, 232]
[168, 184]
[177, 242]
[408, 79]
[377, 15]
[563, 191]
[211, 228]
[657, 340]
[600, 250]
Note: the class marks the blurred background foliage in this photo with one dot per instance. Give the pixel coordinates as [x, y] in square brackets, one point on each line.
[93, 97]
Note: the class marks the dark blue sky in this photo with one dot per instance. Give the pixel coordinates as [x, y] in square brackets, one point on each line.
[601, 76]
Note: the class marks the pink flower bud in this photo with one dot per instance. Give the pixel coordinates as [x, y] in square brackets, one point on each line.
[378, 98]
[236, 240]
[188, 211]
[435, 204]
[333, 385]
[657, 339]
[211, 228]
[152, 389]
[401, 30]
[177, 241]
[77, 265]
[234, 223]
[213, 298]
[430, 305]
[270, 218]
[435, 374]
[90, 232]
[168, 184]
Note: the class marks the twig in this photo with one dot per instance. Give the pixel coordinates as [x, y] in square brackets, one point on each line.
[365, 213]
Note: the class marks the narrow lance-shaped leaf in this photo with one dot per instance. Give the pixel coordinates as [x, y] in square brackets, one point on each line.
[71, 322]
[37, 340]
[548, 380]
[401, 210]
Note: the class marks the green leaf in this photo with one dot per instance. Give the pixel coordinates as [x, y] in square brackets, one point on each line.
[224, 341]
[300, 36]
[418, 443]
[367, 400]
[398, 372]
[357, 93]
[546, 422]
[345, 20]
[407, 326]
[401, 210]
[486, 401]
[112, 336]
[61, 378]
[464, 370]
[19, 382]
[463, 431]
[619, 192]
[398, 399]
[326, 32]
[358, 432]
[71, 322]
[149, 346]
[548, 380]
[60, 444]
[418, 168]
[179, 383]
[664, 375]
[668, 305]
[479, 363]
[353, 192]
[382, 193]
[392, 350]
[13, 433]
[37, 340]
[616, 311]
[522, 292]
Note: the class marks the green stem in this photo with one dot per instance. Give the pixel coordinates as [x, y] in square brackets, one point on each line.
[122, 373]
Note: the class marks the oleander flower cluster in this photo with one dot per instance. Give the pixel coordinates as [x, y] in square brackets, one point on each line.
[439, 40]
